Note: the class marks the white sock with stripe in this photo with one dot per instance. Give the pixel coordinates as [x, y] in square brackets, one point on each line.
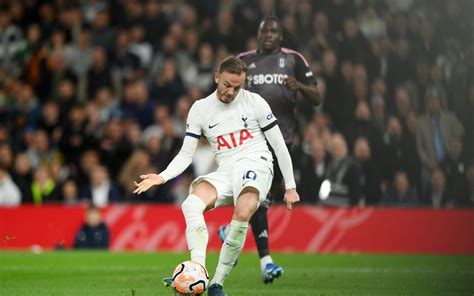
[230, 251]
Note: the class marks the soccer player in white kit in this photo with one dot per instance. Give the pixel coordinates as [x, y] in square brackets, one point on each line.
[237, 123]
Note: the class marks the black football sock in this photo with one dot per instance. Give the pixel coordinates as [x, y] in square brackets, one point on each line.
[259, 223]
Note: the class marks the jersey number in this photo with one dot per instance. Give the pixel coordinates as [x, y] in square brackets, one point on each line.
[250, 175]
[242, 136]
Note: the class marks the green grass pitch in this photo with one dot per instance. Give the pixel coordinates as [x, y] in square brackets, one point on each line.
[139, 274]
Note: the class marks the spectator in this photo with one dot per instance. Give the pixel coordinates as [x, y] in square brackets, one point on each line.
[94, 234]
[106, 104]
[114, 146]
[43, 187]
[50, 121]
[404, 103]
[363, 126]
[70, 193]
[455, 167]
[332, 78]
[343, 174]
[400, 194]
[67, 98]
[79, 55]
[439, 194]
[34, 52]
[125, 62]
[101, 33]
[155, 22]
[10, 194]
[23, 176]
[435, 130]
[41, 151]
[26, 103]
[100, 73]
[137, 104]
[398, 154]
[168, 86]
[75, 137]
[371, 25]
[205, 68]
[401, 67]
[139, 46]
[101, 190]
[6, 157]
[52, 70]
[224, 32]
[370, 172]
[341, 117]
[183, 105]
[88, 160]
[313, 171]
[353, 46]
[322, 40]
[11, 42]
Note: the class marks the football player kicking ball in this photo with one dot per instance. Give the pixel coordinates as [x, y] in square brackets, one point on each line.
[278, 74]
[237, 123]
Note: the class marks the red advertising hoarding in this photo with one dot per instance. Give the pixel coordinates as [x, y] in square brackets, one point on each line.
[305, 229]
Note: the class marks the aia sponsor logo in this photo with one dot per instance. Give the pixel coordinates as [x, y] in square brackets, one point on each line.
[233, 140]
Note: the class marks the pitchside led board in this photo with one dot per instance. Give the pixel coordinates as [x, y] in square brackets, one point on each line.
[149, 228]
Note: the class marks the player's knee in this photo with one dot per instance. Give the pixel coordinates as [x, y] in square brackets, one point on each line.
[246, 207]
[242, 215]
[192, 205]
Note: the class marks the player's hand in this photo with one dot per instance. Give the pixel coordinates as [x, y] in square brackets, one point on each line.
[291, 197]
[148, 181]
[292, 83]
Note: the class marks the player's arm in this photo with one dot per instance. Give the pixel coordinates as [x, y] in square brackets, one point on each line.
[184, 157]
[276, 141]
[181, 161]
[304, 81]
[269, 126]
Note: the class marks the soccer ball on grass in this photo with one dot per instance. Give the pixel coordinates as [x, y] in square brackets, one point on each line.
[190, 278]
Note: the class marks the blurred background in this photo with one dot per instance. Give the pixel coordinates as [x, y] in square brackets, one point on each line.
[94, 93]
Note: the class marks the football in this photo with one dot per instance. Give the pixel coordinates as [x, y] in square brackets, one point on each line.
[190, 278]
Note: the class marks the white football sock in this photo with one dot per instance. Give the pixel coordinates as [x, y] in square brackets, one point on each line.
[264, 261]
[196, 230]
[230, 251]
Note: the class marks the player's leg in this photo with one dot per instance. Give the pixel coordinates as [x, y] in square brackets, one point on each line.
[261, 232]
[202, 197]
[246, 205]
[206, 193]
[251, 183]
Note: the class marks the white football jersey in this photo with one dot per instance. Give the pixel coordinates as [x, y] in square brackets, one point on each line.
[234, 130]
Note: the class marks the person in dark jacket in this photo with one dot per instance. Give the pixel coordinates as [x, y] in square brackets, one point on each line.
[94, 234]
[343, 175]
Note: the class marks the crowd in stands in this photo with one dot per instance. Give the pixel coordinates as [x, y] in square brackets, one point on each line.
[94, 93]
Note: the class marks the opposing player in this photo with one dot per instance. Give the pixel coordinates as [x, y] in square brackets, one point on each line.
[278, 74]
[237, 123]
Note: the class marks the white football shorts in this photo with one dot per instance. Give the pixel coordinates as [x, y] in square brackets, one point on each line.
[231, 180]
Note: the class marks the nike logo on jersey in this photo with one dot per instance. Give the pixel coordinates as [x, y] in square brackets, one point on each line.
[211, 126]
